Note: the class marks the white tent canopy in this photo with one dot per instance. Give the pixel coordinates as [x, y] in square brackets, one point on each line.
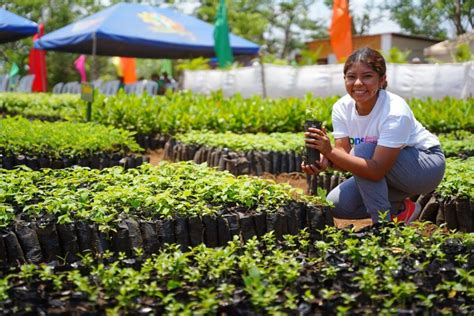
[443, 51]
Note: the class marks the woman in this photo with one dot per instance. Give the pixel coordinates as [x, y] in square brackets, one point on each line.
[377, 138]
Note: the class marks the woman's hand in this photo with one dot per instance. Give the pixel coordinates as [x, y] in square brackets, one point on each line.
[318, 139]
[317, 168]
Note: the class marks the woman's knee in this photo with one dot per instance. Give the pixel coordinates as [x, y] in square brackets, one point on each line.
[346, 204]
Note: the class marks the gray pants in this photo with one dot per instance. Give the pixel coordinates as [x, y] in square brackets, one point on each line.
[414, 172]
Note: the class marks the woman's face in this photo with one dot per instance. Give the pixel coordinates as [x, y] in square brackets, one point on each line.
[362, 84]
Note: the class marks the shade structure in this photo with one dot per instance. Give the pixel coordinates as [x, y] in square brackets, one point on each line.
[143, 31]
[444, 51]
[14, 27]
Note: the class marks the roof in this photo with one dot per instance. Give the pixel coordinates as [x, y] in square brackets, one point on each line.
[449, 46]
[416, 37]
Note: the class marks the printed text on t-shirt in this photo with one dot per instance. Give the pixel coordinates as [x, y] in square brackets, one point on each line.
[367, 139]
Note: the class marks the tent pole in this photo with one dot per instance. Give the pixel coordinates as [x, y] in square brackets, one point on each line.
[94, 50]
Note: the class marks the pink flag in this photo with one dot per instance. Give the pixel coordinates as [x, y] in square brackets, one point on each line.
[80, 64]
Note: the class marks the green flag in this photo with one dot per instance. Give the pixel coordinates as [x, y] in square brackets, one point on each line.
[221, 37]
[14, 70]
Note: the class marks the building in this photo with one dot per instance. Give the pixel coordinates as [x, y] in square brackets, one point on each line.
[383, 42]
[444, 51]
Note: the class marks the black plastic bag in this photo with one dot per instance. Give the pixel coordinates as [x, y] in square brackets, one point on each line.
[14, 252]
[29, 242]
[165, 231]
[49, 240]
[151, 242]
[181, 232]
[260, 220]
[224, 231]
[68, 239]
[86, 236]
[120, 239]
[134, 233]
[247, 227]
[211, 236]
[196, 231]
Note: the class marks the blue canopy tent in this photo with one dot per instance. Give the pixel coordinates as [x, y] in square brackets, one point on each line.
[14, 27]
[143, 31]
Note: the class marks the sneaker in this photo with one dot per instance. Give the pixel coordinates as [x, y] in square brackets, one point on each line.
[411, 212]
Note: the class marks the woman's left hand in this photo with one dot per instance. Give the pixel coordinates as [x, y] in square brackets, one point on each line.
[318, 139]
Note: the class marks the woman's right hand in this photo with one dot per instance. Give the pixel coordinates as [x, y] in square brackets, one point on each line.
[317, 168]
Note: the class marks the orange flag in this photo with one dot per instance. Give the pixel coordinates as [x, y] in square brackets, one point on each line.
[340, 31]
[128, 70]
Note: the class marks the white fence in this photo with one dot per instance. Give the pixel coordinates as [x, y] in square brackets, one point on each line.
[406, 80]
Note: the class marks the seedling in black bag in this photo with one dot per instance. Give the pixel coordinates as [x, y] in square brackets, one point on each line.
[311, 155]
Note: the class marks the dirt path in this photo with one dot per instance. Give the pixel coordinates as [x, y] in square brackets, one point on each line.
[295, 179]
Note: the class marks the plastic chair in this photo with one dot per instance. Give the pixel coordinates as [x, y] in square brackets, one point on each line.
[25, 84]
[3, 83]
[72, 87]
[13, 83]
[58, 87]
[110, 87]
[130, 88]
[97, 83]
[151, 87]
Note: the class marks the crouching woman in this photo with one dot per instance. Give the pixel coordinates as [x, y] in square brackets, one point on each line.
[377, 138]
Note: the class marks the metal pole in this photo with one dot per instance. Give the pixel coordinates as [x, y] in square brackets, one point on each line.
[94, 75]
[264, 88]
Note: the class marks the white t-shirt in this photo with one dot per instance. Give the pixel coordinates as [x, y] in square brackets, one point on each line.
[391, 123]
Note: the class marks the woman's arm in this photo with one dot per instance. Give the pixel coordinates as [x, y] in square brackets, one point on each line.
[373, 169]
[342, 143]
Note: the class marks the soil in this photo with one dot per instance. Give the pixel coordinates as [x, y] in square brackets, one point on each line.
[295, 179]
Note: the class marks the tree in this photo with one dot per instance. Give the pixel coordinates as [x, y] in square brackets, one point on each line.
[246, 17]
[426, 17]
[54, 14]
[460, 13]
[279, 26]
[290, 26]
[396, 56]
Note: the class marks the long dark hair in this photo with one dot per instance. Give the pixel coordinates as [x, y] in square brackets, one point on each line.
[371, 58]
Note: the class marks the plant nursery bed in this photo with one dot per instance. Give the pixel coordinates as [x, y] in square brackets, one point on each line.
[49, 214]
[384, 269]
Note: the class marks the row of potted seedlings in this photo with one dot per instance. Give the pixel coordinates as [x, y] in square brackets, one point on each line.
[452, 203]
[183, 111]
[385, 269]
[453, 200]
[49, 214]
[46, 240]
[268, 153]
[239, 153]
[57, 145]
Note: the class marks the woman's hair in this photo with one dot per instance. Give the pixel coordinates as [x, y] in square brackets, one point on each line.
[371, 58]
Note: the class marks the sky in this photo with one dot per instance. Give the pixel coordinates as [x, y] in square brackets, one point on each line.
[384, 26]
[319, 10]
